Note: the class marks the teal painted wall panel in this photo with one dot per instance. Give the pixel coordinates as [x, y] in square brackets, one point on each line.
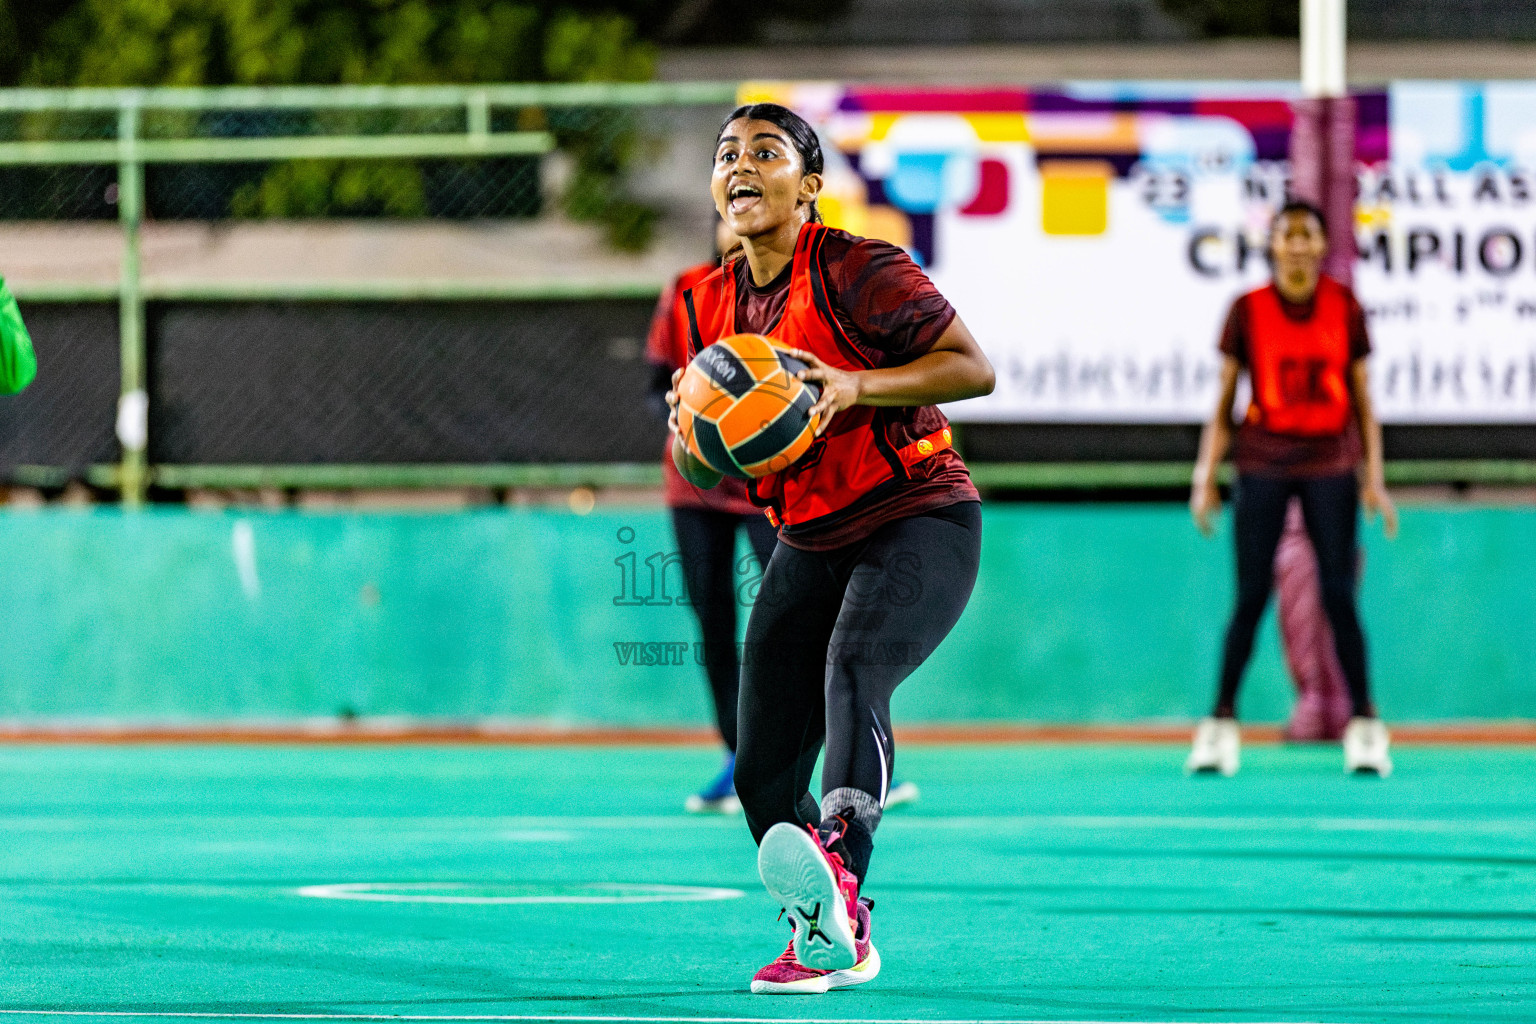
[1116, 613]
[1082, 614]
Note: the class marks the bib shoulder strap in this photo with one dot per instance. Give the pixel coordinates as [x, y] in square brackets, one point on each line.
[809, 297]
[805, 246]
[1265, 297]
[711, 305]
[1331, 297]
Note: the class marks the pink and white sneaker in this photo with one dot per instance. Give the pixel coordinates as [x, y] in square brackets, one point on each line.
[819, 893]
[788, 976]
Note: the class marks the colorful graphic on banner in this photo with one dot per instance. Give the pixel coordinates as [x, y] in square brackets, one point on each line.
[1094, 236]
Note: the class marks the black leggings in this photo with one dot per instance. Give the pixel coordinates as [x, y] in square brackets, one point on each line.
[706, 543]
[830, 637]
[1330, 506]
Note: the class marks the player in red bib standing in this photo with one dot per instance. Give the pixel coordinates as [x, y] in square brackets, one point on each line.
[879, 530]
[705, 522]
[1310, 431]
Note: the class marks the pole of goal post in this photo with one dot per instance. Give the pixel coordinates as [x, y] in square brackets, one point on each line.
[1322, 172]
[1322, 48]
[1323, 135]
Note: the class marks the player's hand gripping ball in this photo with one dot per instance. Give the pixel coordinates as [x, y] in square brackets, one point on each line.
[741, 411]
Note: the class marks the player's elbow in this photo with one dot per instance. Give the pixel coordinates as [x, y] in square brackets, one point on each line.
[986, 377]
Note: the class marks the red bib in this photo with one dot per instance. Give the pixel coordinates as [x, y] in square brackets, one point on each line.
[855, 457]
[1300, 371]
[730, 494]
[681, 333]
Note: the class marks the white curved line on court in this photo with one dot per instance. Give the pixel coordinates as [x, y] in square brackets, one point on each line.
[444, 892]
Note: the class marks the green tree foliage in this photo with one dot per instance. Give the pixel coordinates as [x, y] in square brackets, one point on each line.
[730, 22]
[23, 24]
[1238, 17]
[277, 42]
[282, 42]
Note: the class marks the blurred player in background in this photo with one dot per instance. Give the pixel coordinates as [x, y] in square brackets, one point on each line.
[705, 522]
[1302, 340]
[18, 363]
[880, 529]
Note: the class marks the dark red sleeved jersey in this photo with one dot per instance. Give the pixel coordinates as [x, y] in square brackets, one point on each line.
[893, 313]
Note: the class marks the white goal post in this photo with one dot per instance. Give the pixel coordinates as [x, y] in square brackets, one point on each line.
[1323, 38]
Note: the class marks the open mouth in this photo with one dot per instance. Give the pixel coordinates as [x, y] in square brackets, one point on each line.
[743, 197]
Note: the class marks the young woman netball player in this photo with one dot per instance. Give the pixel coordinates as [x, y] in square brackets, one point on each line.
[879, 530]
[1302, 340]
[705, 522]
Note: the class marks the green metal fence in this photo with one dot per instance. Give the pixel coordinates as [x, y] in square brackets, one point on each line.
[131, 132]
[161, 127]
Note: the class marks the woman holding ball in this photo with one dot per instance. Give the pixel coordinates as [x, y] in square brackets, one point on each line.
[879, 528]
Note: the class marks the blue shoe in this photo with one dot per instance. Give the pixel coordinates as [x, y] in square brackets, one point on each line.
[719, 797]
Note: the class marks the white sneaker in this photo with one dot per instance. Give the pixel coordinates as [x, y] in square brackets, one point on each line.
[1216, 747]
[1365, 748]
[799, 875]
[902, 793]
[699, 804]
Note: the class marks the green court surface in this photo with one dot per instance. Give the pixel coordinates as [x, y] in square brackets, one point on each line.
[1054, 883]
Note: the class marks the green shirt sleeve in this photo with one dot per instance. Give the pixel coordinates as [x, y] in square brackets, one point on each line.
[18, 363]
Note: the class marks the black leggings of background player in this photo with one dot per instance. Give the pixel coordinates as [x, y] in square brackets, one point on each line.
[706, 544]
[1331, 507]
[831, 636]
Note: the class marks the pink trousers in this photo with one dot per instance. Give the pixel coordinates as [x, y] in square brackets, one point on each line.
[1322, 699]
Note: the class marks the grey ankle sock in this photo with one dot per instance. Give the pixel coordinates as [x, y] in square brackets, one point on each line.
[848, 827]
[853, 804]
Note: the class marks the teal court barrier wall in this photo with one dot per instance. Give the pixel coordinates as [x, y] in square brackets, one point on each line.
[1083, 614]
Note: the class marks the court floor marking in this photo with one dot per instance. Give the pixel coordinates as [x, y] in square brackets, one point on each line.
[533, 827]
[453, 892]
[1196, 823]
[199, 1015]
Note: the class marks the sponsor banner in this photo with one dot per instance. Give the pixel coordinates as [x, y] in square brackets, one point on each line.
[1093, 236]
